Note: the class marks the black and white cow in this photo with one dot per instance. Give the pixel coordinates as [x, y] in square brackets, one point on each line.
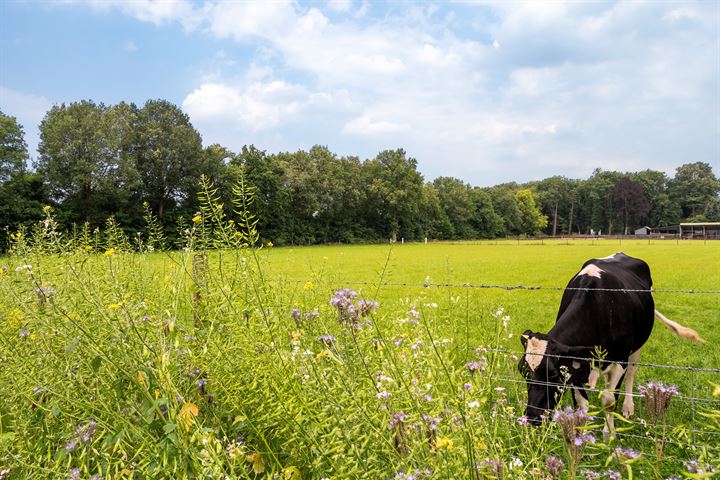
[602, 330]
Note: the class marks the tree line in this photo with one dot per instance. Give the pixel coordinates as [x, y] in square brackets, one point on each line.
[98, 161]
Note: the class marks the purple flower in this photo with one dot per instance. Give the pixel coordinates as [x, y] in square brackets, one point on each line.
[201, 383]
[24, 333]
[86, 432]
[431, 422]
[475, 366]
[74, 474]
[328, 340]
[523, 421]
[5, 471]
[396, 420]
[581, 440]
[295, 314]
[554, 465]
[416, 345]
[613, 475]
[626, 454]
[589, 474]
[384, 395]
[367, 307]
[657, 397]
[467, 386]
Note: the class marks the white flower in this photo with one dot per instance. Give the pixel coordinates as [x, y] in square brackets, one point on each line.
[516, 463]
[473, 404]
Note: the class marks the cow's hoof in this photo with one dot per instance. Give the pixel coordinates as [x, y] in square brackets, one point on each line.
[628, 409]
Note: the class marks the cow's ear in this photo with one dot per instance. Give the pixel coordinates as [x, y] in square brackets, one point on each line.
[525, 337]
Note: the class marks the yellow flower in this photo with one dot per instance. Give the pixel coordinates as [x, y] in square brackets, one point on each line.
[716, 391]
[109, 252]
[157, 394]
[146, 204]
[444, 442]
[187, 412]
[269, 244]
[114, 306]
[197, 219]
[308, 285]
[297, 334]
[325, 353]
[46, 208]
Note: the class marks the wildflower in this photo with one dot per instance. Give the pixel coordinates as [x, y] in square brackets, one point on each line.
[201, 383]
[626, 454]
[325, 353]
[516, 463]
[589, 474]
[473, 404]
[427, 397]
[187, 412]
[109, 252]
[367, 307]
[571, 421]
[444, 442]
[27, 268]
[269, 244]
[657, 397]
[312, 315]
[197, 219]
[295, 314]
[74, 474]
[4, 472]
[308, 286]
[475, 366]
[416, 345]
[523, 421]
[297, 334]
[581, 440]
[467, 386]
[554, 465]
[396, 420]
[431, 422]
[613, 475]
[694, 467]
[328, 340]
[383, 395]
[83, 434]
[24, 333]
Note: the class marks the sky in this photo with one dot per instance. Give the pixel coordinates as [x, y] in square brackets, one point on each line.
[486, 91]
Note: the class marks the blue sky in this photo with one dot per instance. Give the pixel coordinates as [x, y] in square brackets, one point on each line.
[484, 91]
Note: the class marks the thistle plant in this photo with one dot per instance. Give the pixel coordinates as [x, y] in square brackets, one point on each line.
[657, 400]
[573, 427]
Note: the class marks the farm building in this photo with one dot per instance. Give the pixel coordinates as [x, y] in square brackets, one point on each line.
[643, 231]
[706, 230]
[700, 230]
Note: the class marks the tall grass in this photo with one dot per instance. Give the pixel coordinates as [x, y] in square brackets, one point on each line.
[198, 363]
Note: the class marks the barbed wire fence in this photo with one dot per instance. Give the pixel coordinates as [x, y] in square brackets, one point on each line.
[692, 399]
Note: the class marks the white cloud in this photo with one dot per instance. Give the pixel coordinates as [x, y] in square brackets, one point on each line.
[535, 87]
[158, 12]
[340, 5]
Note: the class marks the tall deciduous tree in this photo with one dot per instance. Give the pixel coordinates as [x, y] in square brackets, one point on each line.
[693, 186]
[531, 218]
[13, 149]
[395, 187]
[168, 153]
[630, 202]
[456, 199]
[85, 159]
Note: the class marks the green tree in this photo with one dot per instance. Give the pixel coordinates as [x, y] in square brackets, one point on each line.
[456, 199]
[395, 193]
[85, 159]
[505, 205]
[486, 222]
[557, 200]
[663, 210]
[434, 221]
[532, 221]
[630, 203]
[168, 155]
[712, 210]
[693, 186]
[13, 149]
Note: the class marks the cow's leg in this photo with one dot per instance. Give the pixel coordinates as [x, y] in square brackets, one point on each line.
[613, 375]
[581, 400]
[628, 408]
[593, 378]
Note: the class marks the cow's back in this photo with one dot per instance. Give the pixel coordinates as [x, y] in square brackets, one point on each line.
[607, 315]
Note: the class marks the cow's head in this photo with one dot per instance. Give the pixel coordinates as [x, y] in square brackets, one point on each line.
[547, 369]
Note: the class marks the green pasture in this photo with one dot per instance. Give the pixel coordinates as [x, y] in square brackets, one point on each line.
[195, 368]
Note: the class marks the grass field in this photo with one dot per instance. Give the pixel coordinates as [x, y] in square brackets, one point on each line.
[169, 366]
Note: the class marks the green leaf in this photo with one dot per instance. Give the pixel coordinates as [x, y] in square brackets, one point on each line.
[169, 427]
[95, 364]
[72, 346]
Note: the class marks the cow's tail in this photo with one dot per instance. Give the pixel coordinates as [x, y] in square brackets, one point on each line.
[678, 329]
